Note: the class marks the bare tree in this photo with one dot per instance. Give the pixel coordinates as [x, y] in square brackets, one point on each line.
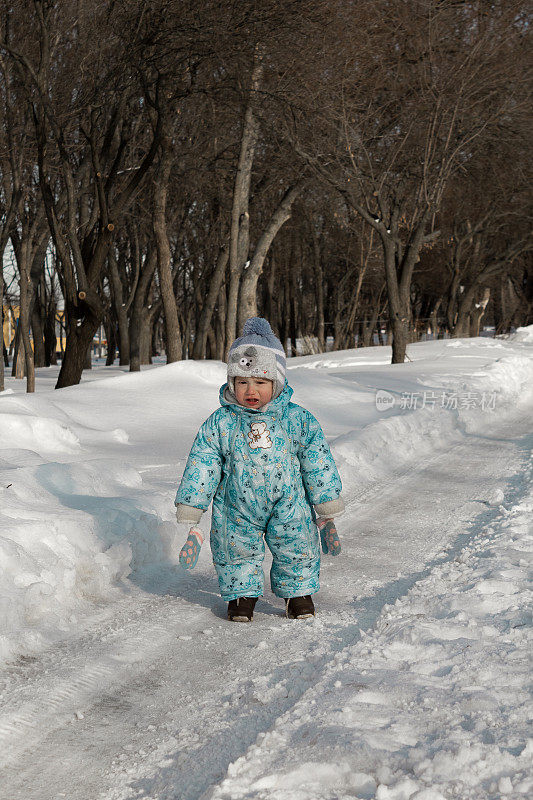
[191, 166]
[419, 88]
[82, 156]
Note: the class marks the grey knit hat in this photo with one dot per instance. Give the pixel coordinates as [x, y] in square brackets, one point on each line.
[258, 353]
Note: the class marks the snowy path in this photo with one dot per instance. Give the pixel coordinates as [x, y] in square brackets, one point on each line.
[160, 695]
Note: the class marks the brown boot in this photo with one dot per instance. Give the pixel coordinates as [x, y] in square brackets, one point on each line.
[241, 609]
[300, 607]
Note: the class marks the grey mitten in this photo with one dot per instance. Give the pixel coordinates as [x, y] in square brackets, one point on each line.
[191, 549]
[329, 537]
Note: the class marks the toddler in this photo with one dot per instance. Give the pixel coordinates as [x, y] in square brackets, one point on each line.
[267, 467]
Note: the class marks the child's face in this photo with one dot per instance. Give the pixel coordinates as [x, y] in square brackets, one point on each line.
[253, 392]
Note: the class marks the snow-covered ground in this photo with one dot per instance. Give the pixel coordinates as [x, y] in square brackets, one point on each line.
[122, 679]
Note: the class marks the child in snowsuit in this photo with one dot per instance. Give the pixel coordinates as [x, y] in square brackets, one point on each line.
[268, 468]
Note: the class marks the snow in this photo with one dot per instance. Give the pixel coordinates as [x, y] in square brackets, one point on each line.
[432, 703]
[523, 335]
[411, 683]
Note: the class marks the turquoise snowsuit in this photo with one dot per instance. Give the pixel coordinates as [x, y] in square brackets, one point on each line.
[266, 470]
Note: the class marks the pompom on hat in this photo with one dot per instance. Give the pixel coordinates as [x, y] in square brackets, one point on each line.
[258, 353]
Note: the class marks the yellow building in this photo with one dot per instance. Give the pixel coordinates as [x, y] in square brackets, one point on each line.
[9, 327]
[10, 316]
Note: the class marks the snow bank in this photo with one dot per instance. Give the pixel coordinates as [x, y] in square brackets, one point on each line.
[428, 417]
[70, 535]
[70, 531]
[41, 434]
[76, 518]
[433, 703]
[523, 335]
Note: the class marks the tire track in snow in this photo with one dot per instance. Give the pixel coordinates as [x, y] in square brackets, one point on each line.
[44, 692]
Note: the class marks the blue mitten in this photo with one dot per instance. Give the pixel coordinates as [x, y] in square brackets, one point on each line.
[191, 549]
[329, 537]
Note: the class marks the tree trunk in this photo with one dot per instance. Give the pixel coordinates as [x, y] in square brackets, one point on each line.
[3, 362]
[5, 233]
[78, 342]
[380, 332]
[154, 341]
[398, 308]
[497, 307]
[172, 326]
[84, 320]
[121, 312]
[338, 316]
[294, 296]
[111, 336]
[399, 340]
[89, 356]
[80, 335]
[270, 307]
[461, 329]
[319, 293]
[220, 325]
[478, 312]
[146, 340]
[38, 335]
[368, 330]
[248, 291]
[137, 308]
[26, 296]
[18, 369]
[135, 339]
[284, 305]
[211, 346]
[453, 293]
[50, 339]
[240, 218]
[206, 315]
[16, 347]
[434, 322]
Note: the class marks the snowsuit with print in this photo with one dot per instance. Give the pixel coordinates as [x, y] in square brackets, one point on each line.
[266, 470]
